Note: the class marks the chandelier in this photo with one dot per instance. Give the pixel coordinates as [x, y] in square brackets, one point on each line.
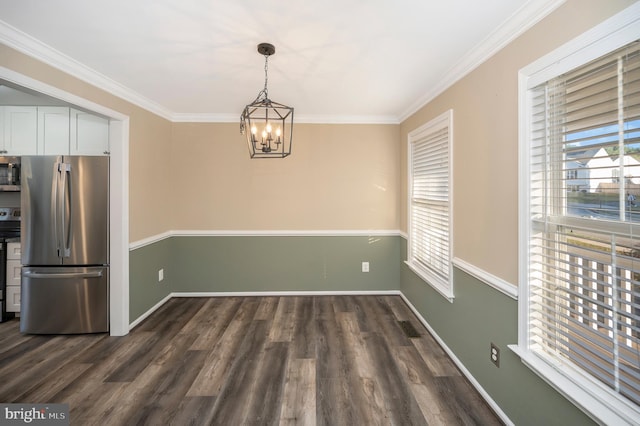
[267, 125]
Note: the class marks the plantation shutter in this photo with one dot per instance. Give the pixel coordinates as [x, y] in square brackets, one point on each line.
[584, 247]
[429, 203]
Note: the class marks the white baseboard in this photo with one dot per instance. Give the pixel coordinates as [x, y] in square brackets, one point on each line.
[149, 312]
[287, 293]
[496, 408]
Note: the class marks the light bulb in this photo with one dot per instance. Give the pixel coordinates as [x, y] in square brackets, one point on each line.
[278, 132]
[268, 127]
[254, 130]
[264, 134]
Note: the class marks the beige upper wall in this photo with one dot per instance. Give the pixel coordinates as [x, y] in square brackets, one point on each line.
[485, 110]
[338, 177]
[149, 144]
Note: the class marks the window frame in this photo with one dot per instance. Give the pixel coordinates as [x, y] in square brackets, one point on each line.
[588, 394]
[443, 285]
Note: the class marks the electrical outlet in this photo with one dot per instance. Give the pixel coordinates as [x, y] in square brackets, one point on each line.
[365, 266]
[495, 354]
[160, 274]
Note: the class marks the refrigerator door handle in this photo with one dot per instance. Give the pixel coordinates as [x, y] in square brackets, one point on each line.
[92, 274]
[55, 206]
[65, 207]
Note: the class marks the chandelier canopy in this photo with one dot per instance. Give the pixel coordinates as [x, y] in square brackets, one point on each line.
[268, 125]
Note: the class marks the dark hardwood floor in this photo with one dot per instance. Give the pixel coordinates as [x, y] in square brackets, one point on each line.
[325, 360]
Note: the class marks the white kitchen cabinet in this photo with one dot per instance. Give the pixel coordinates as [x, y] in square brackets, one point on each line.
[89, 134]
[14, 250]
[53, 130]
[14, 272]
[13, 299]
[19, 130]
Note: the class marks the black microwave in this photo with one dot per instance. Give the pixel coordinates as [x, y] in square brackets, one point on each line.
[9, 173]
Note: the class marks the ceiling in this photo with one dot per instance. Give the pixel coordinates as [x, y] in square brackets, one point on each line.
[335, 60]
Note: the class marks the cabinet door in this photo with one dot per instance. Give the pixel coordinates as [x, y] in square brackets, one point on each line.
[53, 130]
[89, 134]
[13, 298]
[20, 130]
[14, 251]
[14, 269]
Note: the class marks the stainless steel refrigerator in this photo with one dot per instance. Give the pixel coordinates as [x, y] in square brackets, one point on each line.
[65, 245]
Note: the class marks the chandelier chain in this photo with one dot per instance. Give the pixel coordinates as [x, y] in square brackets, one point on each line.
[264, 93]
[266, 74]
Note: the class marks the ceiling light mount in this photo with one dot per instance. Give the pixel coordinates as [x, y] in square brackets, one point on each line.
[270, 123]
[266, 49]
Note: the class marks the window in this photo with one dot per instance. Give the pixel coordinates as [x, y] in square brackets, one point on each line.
[430, 196]
[580, 255]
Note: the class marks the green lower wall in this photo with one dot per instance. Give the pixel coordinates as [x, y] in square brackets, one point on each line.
[259, 264]
[144, 289]
[478, 316]
[285, 263]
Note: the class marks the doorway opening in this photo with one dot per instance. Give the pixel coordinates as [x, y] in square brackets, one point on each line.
[118, 183]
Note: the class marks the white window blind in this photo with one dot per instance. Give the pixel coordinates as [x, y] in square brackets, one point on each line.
[584, 237]
[430, 202]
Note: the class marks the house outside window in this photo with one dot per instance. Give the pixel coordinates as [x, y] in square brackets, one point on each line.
[579, 296]
[430, 202]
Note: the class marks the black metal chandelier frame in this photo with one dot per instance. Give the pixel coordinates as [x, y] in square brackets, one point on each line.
[276, 119]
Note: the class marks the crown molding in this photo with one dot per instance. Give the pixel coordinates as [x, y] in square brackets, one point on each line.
[34, 48]
[518, 23]
[300, 118]
[204, 118]
[347, 119]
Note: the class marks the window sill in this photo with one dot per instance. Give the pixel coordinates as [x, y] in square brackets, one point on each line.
[437, 283]
[593, 398]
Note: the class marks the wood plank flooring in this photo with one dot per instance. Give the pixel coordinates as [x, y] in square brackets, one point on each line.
[309, 360]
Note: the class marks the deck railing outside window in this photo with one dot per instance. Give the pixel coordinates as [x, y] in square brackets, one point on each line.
[586, 300]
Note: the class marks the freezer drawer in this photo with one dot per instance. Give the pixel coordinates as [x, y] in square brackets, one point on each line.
[59, 300]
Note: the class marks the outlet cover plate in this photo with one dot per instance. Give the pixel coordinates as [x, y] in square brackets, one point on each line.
[495, 354]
